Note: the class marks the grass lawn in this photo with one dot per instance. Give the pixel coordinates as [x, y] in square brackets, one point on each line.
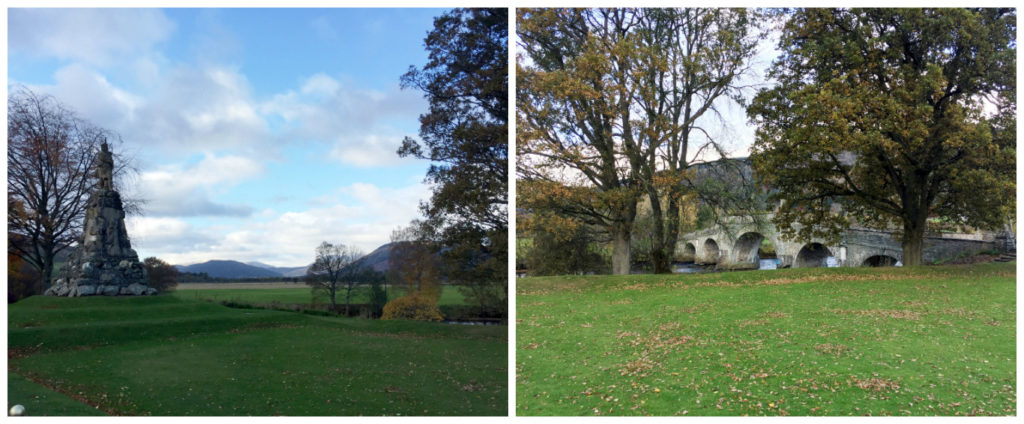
[299, 294]
[165, 355]
[842, 341]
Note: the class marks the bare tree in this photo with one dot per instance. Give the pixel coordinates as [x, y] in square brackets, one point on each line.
[329, 274]
[50, 158]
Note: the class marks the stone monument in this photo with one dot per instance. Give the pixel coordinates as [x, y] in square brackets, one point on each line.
[103, 263]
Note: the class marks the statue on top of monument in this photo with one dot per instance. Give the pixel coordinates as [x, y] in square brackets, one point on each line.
[105, 167]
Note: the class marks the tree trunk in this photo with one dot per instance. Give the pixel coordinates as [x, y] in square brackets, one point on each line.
[621, 234]
[913, 242]
[659, 258]
[333, 290]
[46, 273]
[667, 235]
[348, 299]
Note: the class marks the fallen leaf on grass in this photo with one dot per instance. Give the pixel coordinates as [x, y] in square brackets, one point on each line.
[832, 349]
[876, 384]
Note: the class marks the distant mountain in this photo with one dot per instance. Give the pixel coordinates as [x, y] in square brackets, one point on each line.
[377, 259]
[229, 269]
[285, 271]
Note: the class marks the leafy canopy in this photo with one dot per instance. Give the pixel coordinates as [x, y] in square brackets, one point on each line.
[892, 116]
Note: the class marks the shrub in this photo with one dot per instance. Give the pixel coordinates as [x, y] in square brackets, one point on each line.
[162, 276]
[378, 298]
[413, 306]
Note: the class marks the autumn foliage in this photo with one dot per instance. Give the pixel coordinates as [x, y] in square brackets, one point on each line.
[415, 306]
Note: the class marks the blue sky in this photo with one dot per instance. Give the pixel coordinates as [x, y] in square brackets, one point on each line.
[258, 133]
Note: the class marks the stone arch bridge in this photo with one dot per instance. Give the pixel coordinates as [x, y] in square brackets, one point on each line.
[735, 246]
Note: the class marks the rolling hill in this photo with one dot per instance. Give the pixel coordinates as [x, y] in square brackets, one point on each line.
[377, 260]
[229, 269]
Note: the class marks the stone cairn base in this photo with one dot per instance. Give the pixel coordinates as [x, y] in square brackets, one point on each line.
[97, 277]
[104, 262]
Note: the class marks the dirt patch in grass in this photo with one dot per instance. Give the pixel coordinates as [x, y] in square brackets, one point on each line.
[776, 315]
[622, 302]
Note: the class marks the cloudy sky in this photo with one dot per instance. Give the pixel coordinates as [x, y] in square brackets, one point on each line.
[257, 133]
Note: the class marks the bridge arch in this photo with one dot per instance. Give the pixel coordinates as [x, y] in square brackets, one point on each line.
[880, 260]
[711, 251]
[689, 253]
[745, 250]
[812, 255]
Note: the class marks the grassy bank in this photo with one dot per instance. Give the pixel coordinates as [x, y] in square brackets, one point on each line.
[850, 341]
[171, 356]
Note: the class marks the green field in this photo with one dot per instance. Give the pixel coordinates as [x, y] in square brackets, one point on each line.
[166, 355]
[843, 341]
[298, 294]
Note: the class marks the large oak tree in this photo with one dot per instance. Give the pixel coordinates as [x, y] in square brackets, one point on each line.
[465, 136]
[889, 117]
[614, 107]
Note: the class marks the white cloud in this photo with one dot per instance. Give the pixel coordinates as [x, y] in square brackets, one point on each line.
[94, 36]
[202, 110]
[170, 239]
[369, 150]
[362, 215]
[188, 110]
[364, 126]
[320, 84]
[175, 190]
[91, 95]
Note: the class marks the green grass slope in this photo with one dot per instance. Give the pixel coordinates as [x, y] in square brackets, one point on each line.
[881, 341]
[170, 356]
